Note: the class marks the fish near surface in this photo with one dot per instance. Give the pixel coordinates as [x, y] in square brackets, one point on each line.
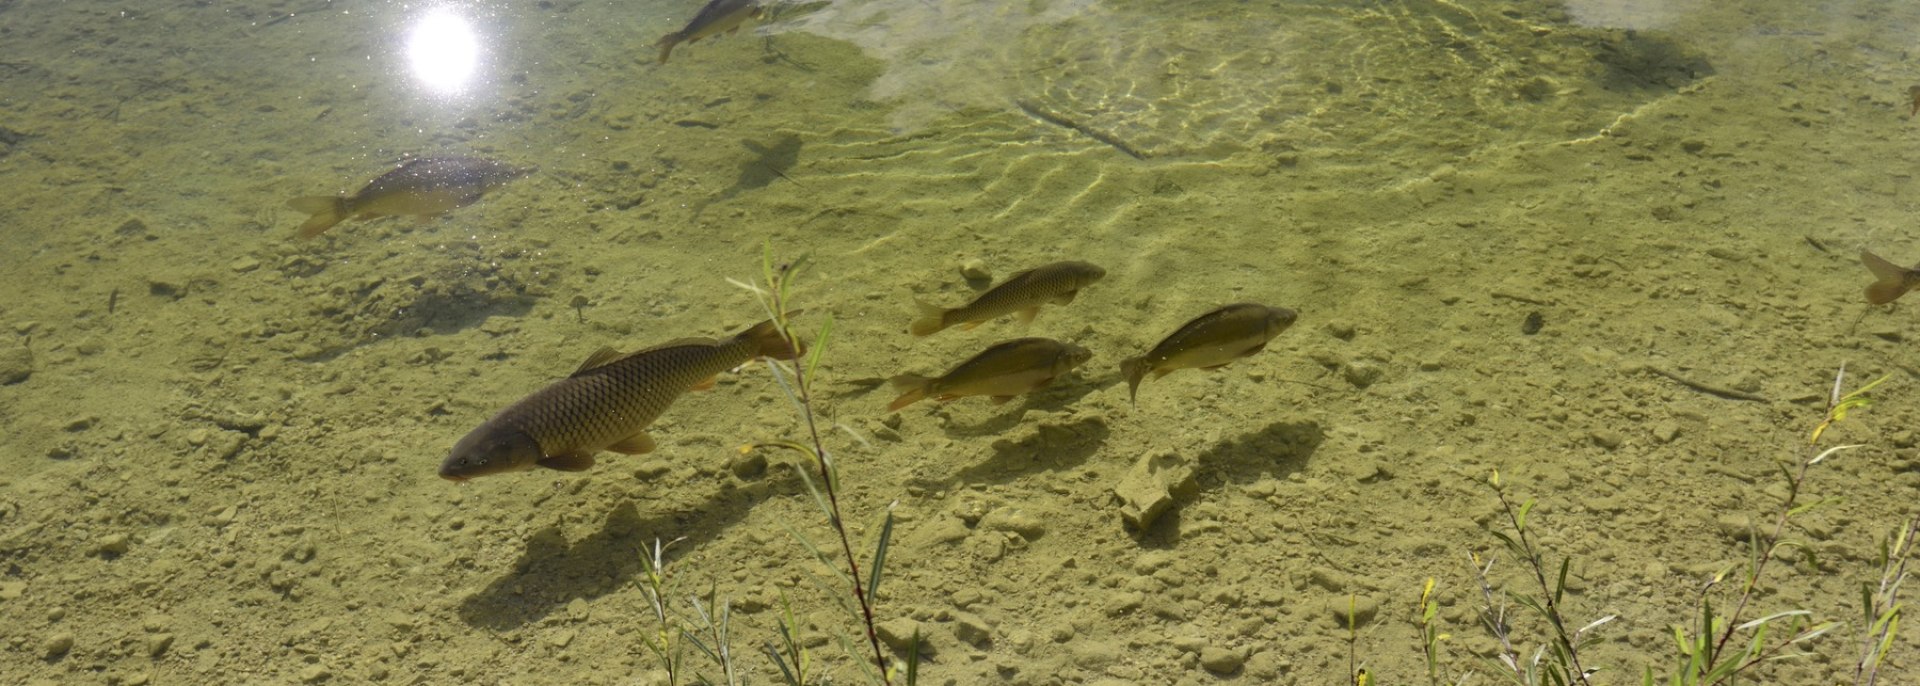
[422, 187]
[1210, 341]
[1022, 293]
[717, 17]
[1001, 372]
[606, 405]
[1892, 280]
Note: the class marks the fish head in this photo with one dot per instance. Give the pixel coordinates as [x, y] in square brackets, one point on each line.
[1278, 319]
[1090, 273]
[1074, 356]
[490, 449]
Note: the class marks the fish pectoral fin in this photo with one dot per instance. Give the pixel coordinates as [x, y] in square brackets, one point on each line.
[599, 358]
[637, 444]
[1026, 316]
[568, 462]
[1065, 298]
[1001, 399]
[1255, 350]
[705, 384]
[946, 398]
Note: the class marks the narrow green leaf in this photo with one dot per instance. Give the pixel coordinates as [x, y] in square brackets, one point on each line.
[819, 348]
[879, 559]
[1560, 585]
[1520, 520]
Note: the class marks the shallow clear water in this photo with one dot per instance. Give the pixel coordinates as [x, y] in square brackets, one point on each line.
[219, 466]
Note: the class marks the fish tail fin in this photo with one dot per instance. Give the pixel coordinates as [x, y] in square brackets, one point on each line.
[1135, 369]
[1891, 279]
[912, 387]
[768, 341]
[326, 210]
[665, 44]
[932, 319]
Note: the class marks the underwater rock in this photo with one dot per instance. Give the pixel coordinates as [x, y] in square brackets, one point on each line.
[16, 364]
[1013, 520]
[1222, 660]
[1151, 487]
[1360, 609]
[898, 634]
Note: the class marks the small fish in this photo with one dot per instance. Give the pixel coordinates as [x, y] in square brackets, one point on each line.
[606, 405]
[719, 16]
[1894, 280]
[1210, 341]
[1005, 370]
[423, 187]
[1024, 293]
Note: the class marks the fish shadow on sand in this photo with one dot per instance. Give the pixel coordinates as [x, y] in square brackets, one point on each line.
[1048, 448]
[769, 164]
[1279, 450]
[552, 572]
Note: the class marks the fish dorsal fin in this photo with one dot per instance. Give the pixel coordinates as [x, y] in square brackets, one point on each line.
[678, 343]
[600, 358]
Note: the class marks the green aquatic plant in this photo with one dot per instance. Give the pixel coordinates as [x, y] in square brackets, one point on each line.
[1708, 652]
[862, 587]
[1556, 661]
[1880, 603]
[708, 628]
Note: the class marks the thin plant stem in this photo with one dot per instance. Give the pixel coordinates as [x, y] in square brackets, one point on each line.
[776, 297]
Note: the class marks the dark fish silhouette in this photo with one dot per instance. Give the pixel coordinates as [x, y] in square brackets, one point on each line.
[1001, 372]
[1023, 293]
[1210, 341]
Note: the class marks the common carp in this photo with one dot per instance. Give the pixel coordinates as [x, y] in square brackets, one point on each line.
[718, 16]
[424, 187]
[605, 405]
[1022, 293]
[1001, 372]
[1890, 280]
[1210, 341]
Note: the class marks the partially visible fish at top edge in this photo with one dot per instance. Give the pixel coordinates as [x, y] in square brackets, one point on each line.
[717, 17]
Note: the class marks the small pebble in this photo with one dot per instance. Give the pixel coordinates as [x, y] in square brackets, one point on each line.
[244, 265]
[898, 633]
[1607, 438]
[157, 644]
[1221, 660]
[748, 465]
[1361, 608]
[314, 674]
[56, 644]
[1008, 519]
[16, 364]
[975, 270]
[1738, 527]
[111, 545]
[970, 628]
[1362, 374]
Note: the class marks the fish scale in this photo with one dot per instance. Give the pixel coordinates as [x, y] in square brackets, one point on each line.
[607, 402]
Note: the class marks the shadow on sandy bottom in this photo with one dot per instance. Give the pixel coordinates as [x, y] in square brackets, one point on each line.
[552, 573]
[1280, 449]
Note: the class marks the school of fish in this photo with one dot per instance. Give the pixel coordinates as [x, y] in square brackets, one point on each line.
[613, 398]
